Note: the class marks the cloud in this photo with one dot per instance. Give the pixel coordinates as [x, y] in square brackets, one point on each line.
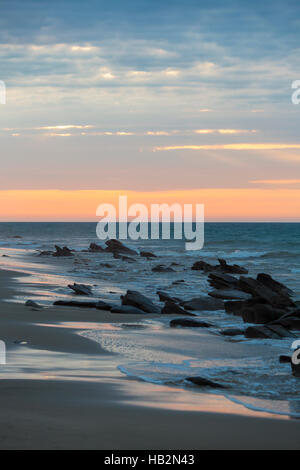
[276, 182]
[69, 126]
[224, 131]
[242, 146]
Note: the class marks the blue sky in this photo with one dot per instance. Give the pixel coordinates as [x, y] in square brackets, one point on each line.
[146, 95]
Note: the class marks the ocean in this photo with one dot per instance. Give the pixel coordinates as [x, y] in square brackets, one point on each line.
[150, 350]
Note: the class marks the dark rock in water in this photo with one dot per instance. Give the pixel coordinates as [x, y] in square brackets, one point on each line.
[223, 267]
[257, 289]
[201, 382]
[177, 283]
[260, 332]
[100, 305]
[268, 332]
[147, 254]
[46, 253]
[261, 314]
[281, 331]
[223, 281]
[248, 284]
[74, 303]
[140, 301]
[203, 304]
[163, 297]
[295, 312]
[115, 246]
[189, 323]
[202, 266]
[231, 269]
[172, 308]
[229, 294]
[65, 251]
[128, 310]
[32, 304]
[235, 307]
[162, 269]
[94, 248]
[285, 359]
[81, 289]
[124, 258]
[275, 286]
[292, 323]
[232, 332]
[107, 265]
[296, 363]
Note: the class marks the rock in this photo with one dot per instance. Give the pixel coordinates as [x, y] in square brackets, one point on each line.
[223, 267]
[201, 382]
[74, 303]
[32, 304]
[257, 289]
[171, 308]
[203, 304]
[260, 314]
[223, 281]
[285, 359]
[177, 283]
[235, 308]
[163, 297]
[232, 332]
[100, 305]
[81, 289]
[189, 323]
[162, 269]
[275, 286]
[281, 331]
[202, 266]
[292, 323]
[231, 269]
[115, 246]
[124, 258]
[128, 310]
[62, 252]
[147, 254]
[140, 301]
[229, 294]
[46, 253]
[260, 332]
[267, 332]
[94, 248]
[295, 312]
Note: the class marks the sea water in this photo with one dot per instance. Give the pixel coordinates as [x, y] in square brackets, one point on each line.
[152, 350]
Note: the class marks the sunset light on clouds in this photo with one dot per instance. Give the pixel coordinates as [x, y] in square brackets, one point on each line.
[201, 109]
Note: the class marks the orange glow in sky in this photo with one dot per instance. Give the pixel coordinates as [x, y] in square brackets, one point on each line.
[220, 204]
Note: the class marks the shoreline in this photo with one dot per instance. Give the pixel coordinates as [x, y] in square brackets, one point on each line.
[62, 391]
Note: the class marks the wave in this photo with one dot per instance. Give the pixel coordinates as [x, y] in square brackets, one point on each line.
[279, 254]
[262, 397]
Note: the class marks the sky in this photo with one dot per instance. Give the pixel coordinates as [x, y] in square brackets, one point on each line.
[162, 100]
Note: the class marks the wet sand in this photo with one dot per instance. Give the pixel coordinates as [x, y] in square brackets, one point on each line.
[62, 391]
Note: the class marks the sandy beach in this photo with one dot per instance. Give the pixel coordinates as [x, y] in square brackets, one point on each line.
[62, 391]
